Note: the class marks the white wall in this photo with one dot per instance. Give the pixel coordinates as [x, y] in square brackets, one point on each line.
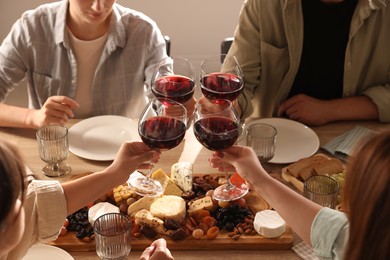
[196, 27]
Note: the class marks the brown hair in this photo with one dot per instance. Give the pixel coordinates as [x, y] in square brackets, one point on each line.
[12, 178]
[367, 199]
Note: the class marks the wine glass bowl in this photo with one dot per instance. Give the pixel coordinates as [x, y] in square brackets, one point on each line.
[162, 126]
[174, 78]
[216, 127]
[221, 81]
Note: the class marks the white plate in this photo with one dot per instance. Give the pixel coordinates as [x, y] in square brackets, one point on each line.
[99, 138]
[294, 140]
[46, 252]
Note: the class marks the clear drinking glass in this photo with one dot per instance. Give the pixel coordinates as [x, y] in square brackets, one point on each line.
[174, 78]
[216, 127]
[53, 149]
[112, 236]
[162, 125]
[322, 190]
[262, 138]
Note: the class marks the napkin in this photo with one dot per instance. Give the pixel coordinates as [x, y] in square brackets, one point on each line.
[304, 251]
[343, 145]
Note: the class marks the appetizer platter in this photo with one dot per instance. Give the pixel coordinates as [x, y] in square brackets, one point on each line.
[318, 164]
[186, 215]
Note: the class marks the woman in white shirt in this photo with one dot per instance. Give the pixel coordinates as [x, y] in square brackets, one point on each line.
[360, 233]
[35, 213]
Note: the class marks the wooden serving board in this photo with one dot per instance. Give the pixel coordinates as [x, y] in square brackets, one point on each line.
[70, 242]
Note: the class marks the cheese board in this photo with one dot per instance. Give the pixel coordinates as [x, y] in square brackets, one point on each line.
[223, 241]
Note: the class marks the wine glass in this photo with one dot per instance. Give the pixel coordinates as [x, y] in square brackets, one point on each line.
[174, 78]
[221, 81]
[221, 78]
[216, 128]
[162, 125]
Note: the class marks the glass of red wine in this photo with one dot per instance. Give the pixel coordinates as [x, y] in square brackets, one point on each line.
[174, 78]
[221, 81]
[162, 126]
[217, 128]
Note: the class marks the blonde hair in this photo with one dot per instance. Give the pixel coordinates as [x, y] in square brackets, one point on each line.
[367, 199]
[12, 178]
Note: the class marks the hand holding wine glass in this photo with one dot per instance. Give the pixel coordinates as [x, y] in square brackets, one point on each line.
[216, 128]
[162, 126]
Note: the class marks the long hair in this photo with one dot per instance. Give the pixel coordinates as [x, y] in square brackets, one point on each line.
[12, 178]
[367, 199]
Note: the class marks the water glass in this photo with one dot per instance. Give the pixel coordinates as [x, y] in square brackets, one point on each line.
[112, 236]
[53, 149]
[322, 190]
[262, 138]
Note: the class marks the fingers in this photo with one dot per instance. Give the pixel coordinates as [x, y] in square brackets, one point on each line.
[148, 252]
[157, 251]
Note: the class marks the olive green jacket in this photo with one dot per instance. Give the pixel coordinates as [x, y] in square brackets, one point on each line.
[268, 44]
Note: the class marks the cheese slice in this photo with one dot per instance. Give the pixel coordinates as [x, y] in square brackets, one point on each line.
[169, 187]
[199, 204]
[269, 223]
[100, 209]
[181, 174]
[145, 218]
[142, 203]
[169, 207]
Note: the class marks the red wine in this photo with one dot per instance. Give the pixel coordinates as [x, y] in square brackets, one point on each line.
[216, 133]
[178, 88]
[162, 132]
[216, 86]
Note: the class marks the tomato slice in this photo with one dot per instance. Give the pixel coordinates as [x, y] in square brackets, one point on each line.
[236, 180]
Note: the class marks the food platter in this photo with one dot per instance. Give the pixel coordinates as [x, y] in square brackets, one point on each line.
[223, 241]
[99, 138]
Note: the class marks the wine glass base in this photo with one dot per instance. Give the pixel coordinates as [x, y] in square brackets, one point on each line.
[56, 170]
[145, 187]
[225, 193]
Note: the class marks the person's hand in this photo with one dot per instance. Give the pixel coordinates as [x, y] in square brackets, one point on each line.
[305, 109]
[157, 251]
[56, 110]
[133, 156]
[241, 159]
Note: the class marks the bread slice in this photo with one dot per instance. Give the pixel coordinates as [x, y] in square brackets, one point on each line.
[329, 167]
[304, 167]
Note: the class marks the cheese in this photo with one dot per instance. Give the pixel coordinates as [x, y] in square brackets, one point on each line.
[142, 203]
[181, 174]
[199, 204]
[122, 193]
[169, 187]
[269, 223]
[100, 209]
[145, 218]
[169, 207]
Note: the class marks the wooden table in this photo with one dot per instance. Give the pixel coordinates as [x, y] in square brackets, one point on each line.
[189, 150]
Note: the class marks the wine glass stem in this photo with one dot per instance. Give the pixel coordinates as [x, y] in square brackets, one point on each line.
[229, 185]
[147, 176]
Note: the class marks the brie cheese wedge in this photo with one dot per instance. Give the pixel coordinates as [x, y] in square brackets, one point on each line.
[269, 223]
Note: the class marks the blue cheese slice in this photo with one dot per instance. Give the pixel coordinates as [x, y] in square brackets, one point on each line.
[181, 174]
[269, 223]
